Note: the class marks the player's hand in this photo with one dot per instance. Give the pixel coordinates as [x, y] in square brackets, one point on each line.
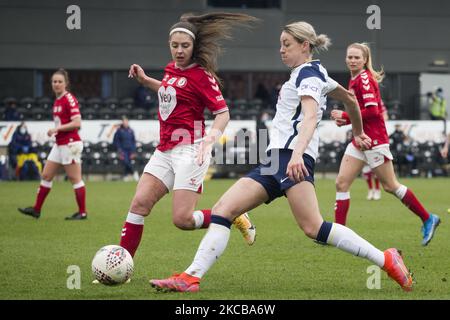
[204, 151]
[296, 169]
[51, 132]
[336, 114]
[363, 141]
[137, 72]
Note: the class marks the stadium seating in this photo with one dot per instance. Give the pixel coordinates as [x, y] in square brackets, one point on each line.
[96, 108]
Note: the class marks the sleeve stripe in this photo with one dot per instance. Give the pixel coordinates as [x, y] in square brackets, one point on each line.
[220, 110]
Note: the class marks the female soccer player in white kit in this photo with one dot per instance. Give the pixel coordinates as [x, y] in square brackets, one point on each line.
[293, 149]
[180, 163]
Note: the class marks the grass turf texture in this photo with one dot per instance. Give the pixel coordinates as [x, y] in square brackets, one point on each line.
[283, 263]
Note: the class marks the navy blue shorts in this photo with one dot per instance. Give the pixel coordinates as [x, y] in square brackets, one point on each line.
[275, 180]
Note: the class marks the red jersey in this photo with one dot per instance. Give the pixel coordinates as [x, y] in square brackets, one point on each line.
[367, 92]
[183, 96]
[64, 110]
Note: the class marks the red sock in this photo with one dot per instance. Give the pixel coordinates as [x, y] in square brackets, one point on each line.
[43, 191]
[377, 183]
[131, 236]
[368, 177]
[341, 207]
[413, 204]
[80, 195]
[206, 218]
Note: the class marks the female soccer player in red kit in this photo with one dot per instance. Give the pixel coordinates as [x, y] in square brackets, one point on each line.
[67, 150]
[364, 84]
[189, 85]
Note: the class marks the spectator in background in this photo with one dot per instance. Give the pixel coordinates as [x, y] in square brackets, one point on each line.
[20, 142]
[11, 113]
[398, 139]
[125, 143]
[143, 97]
[22, 157]
[437, 108]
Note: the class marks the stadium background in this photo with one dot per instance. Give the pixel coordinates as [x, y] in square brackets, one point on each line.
[35, 41]
[412, 46]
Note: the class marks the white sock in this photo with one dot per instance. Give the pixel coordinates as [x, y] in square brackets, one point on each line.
[347, 240]
[211, 248]
[78, 185]
[198, 218]
[342, 195]
[401, 191]
[47, 184]
[135, 218]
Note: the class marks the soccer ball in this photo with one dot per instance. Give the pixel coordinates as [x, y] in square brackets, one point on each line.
[112, 265]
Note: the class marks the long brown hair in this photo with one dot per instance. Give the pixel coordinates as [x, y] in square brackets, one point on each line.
[208, 30]
[365, 49]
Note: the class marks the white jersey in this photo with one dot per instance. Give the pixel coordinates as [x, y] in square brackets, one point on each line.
[308, 79]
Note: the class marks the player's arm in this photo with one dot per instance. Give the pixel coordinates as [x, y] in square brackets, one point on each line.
[137, 72]
[218, 127]
[296, 169]
[351, 106]
[354, 114]
[75, 123]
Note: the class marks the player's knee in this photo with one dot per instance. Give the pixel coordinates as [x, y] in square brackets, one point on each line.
[46, 177]
[225, 210]
[142, 206]
[74, 179]
[310, 230]
[183, 222]
[342, 184]
[390, 188]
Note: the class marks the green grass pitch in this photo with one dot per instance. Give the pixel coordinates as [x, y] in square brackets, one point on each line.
[283, 263]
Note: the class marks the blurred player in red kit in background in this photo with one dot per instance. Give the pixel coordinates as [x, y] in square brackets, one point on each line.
[67, 150]
[364, 84]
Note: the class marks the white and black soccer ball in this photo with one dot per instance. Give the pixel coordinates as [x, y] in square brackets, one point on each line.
[112, 265]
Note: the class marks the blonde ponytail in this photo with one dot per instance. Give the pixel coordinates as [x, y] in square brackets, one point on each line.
[303, 31]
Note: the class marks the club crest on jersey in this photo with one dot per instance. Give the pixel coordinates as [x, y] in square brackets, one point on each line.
[171, 81]
[181, 83]
[167, 101]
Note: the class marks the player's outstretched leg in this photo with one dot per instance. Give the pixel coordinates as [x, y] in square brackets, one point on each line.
[347, 240]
